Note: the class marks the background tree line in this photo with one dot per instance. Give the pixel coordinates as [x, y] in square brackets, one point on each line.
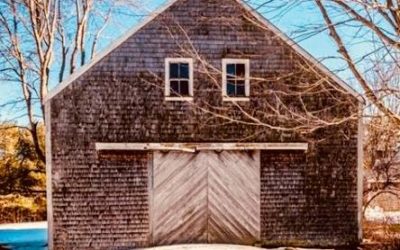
[22, 176]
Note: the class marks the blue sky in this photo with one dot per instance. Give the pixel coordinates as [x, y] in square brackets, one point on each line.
[320, 46]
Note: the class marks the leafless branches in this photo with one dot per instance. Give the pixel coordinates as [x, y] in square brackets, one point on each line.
[375, 68]
[298, 101]
[44, 40]
[382, 160]
[369, 24]
[366, 34]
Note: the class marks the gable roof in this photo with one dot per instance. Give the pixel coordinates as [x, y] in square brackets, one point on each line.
[56, 90]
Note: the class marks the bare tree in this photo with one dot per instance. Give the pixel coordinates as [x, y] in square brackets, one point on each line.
[382, 160]
[381, 19]
[45, 40]
[375, 24]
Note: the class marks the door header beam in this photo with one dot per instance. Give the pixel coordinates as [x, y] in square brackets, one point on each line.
[193, 147]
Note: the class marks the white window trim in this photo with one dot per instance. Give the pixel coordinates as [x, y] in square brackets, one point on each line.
[167, 92]
[227, 61]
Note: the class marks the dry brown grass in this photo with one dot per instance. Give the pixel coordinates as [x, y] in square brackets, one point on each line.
[17, 208]
[381, 236]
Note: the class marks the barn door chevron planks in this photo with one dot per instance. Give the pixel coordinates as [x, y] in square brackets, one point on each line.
[180, 199]
[233, 197]
[205, 197]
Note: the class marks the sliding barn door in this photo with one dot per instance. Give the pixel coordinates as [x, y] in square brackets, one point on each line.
[233, 197]
[206, 197]
[179, 199]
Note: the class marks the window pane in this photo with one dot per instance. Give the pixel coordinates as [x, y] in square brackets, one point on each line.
[240, 70]
[184, 88]
[240, 82]
[174, 87]
[184, 70]
[230, 70]
[174, 70]
[240, 89]
[230, 88]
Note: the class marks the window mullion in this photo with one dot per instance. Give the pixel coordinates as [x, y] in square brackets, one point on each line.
[235, 71]
[236, 84]
[235, 79]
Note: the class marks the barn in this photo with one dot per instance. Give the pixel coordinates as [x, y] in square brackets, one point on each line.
[172, 136]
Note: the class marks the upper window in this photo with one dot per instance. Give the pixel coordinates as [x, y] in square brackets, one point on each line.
[236, 79]
[178, 78]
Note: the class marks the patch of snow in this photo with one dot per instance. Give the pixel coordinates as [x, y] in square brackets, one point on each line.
[376, 214]
[393, 217]
[27, 225]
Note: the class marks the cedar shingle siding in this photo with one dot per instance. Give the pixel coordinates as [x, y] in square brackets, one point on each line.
[101, 201]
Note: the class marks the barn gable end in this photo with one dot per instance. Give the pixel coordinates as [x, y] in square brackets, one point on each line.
[102, 188]
[262, 21]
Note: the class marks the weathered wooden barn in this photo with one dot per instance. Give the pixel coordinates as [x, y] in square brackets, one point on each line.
[142, 149]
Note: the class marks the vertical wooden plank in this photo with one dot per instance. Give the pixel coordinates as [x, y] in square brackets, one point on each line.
[150, 164]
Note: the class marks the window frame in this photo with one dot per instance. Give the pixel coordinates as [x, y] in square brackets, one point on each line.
[167, 90]
[225, 63]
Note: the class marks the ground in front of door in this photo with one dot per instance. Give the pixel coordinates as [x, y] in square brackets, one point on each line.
[222, 247]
